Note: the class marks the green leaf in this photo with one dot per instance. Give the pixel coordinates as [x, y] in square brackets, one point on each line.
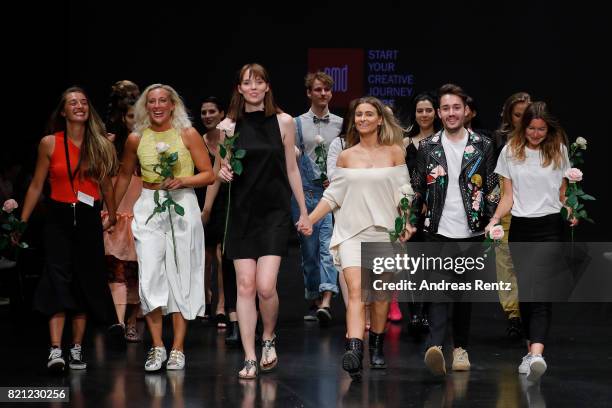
[156, 198]
[587, 197]
[399, 225]
[572, 200]
[564, 213]
[240, 153]
[393, 236]
[222, 151]
[179, 209]
[581, 214]
[236, 166]
[589, 220]
[172, 157]
[229, 141]
[404, 204]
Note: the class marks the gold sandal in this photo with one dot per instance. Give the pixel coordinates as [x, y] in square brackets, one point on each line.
[248, 365]
[268, 346]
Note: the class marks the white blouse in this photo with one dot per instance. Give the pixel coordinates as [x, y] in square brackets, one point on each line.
[362, 198]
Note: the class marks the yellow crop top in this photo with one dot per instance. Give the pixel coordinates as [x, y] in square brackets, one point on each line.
[148, 156]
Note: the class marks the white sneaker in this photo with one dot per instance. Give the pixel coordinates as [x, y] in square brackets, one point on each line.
[524, 366]
[56, 362]
[434, 360]
[461, 361]
[537, 367]
[176, 360]
[155, 358]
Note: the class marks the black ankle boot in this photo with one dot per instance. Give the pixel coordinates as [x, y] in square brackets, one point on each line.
[351, 360]
[232, 338]
[375, 346]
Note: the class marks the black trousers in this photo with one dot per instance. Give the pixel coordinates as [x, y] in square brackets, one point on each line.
[75, 277]
[536, 316]
[457, 315]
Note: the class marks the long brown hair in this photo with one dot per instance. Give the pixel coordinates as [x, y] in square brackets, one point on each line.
[97, 156]
[236, 106]
[550, 147]
[389, 132]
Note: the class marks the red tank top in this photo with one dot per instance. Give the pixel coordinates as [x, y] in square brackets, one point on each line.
[61, 190]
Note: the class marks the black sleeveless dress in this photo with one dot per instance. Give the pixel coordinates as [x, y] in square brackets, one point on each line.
[260, 209]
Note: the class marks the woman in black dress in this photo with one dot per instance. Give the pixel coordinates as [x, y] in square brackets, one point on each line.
[260, 207]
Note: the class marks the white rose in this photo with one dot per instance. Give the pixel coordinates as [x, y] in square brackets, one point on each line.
[228, 126]
[581, 142]
[406, 190]
[162, 147]
[319, 139]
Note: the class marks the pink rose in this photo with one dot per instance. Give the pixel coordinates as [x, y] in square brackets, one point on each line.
[573, 175]
[9, 205]
[496, 233]
[476, 205]
[469, 149]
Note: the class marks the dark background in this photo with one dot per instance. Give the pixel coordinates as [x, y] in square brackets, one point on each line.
[555, 52]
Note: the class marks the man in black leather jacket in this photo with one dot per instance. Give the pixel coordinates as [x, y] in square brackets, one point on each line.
[457, 188]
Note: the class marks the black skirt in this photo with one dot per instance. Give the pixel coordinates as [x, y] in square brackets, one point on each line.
[74, 279]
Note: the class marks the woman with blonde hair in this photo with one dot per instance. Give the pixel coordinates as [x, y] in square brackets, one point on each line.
[169, 245]
[363, 197]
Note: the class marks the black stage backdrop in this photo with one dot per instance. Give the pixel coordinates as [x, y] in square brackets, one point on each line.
[553, 51]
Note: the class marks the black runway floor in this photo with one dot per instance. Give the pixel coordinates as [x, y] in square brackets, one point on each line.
[579, 357]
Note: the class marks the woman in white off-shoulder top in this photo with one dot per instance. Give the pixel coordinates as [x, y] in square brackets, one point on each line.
[363, 197]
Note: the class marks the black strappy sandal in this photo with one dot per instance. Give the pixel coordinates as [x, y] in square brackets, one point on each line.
[267, 346]
[248, 366]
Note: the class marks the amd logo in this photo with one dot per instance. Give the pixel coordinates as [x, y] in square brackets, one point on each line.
[340, 77]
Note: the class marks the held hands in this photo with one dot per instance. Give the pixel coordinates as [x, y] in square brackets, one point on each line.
[225, 172]
[108, 224]
[304, 225]
[409, 231]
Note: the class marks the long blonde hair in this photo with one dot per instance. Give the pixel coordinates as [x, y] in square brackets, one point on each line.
[550, 147]
[180, 119]
[389, 132]
[98, 158]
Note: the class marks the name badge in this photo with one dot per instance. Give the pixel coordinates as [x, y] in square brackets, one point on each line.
[85, 198]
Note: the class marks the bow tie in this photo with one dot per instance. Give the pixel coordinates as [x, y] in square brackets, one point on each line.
[324, 119]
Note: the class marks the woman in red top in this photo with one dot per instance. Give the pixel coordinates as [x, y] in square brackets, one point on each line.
[78, 159]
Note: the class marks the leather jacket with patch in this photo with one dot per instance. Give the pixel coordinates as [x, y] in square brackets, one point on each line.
[478, 182]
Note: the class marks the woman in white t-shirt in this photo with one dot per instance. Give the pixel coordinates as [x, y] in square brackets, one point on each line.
[533, 164]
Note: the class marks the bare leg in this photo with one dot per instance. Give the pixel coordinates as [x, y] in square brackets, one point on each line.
[343, 288]
[79, 322]
[221, 297]
[179, 325]
[245, 305]
[267, 272]
[154, 322]
[378, 313]
[208, 258]
[56, 328]
[355, 312]
[326, 298]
